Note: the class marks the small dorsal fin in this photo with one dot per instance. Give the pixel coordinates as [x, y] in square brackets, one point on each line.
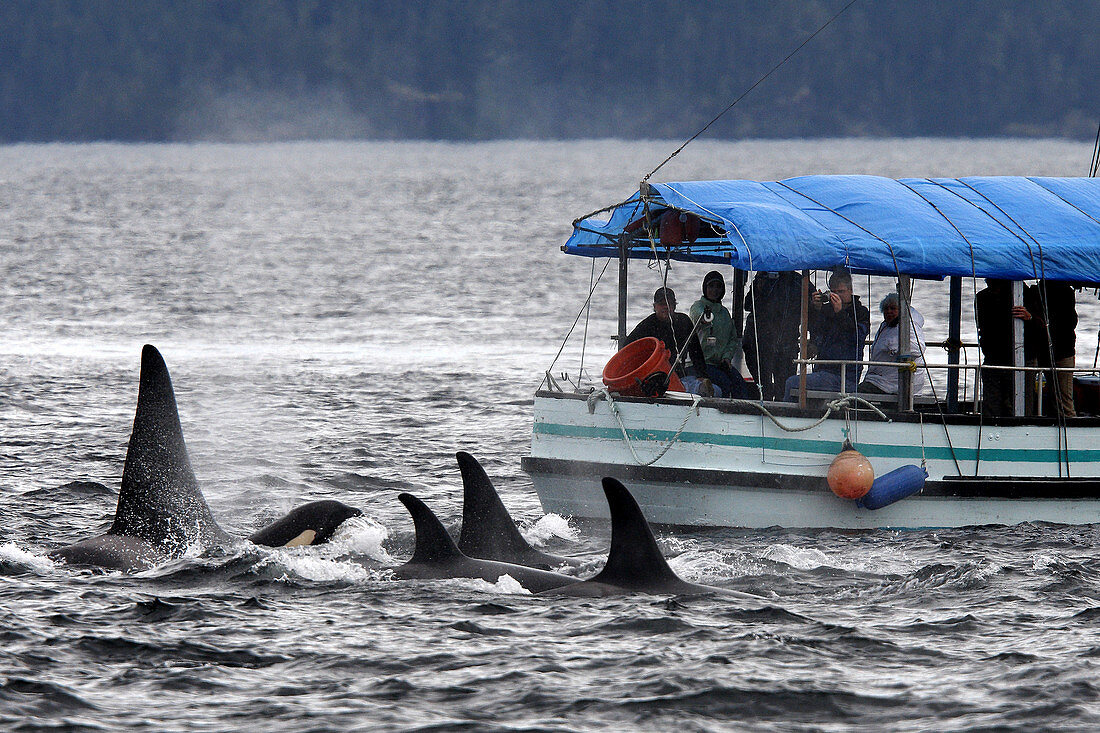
[433, 542]
[635, 560]
[487, 527]
[160, 500]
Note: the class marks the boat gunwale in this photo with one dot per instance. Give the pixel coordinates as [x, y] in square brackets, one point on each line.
[792, 410]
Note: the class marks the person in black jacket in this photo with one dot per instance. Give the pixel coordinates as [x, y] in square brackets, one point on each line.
[1054, 305]
[775, 315]
[677, 332]
[839, 325]
[993, 311]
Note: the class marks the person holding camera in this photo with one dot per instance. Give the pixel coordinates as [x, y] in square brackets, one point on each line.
[714, 328]
[839, 325]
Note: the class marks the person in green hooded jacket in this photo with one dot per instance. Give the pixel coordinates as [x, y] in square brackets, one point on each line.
[714, 327]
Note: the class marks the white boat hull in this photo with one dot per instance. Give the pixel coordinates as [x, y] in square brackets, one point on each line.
[734, 467]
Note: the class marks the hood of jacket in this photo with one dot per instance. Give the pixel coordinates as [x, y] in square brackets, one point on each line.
[714, 275]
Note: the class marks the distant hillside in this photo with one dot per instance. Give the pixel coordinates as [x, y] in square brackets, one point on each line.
[275, 69]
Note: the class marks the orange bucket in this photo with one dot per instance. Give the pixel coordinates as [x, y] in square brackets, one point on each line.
[630, 368]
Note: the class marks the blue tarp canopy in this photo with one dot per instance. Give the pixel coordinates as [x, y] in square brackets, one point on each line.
[1018, 228]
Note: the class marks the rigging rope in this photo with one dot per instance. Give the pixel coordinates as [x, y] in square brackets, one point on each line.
[974, 276]
[587, 314]
[1063, 434]
[587, 300]
[1095, 155]
[597, 212]
[747, 91]
[923, 458]
[614, 409]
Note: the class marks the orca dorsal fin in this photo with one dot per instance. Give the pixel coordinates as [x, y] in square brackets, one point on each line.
[433, 542]
[487, 528]
[160, 500]
[635, 560]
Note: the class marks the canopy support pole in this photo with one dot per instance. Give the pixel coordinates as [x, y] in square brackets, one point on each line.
[905, 328]
[738, 314]
[804, 341]
[1017, 351]
[623, 260]
[954, 342]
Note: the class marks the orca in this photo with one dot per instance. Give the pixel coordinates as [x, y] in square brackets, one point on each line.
[310, 524]
[437, 556]
[488, 532]
[161, 510]
[635, 563]
[113, 552]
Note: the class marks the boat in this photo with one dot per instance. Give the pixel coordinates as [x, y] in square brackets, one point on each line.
[703, 461]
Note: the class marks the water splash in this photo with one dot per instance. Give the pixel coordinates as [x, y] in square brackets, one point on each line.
[306, 563]
[360, 536]
[802, 558]
[547, 528]
[13, 555]
[710, 566]
[506, 585]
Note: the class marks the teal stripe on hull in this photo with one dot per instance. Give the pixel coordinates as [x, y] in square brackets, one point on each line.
[822, 447]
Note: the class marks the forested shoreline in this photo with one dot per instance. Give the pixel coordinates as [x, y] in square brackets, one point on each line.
[270, 69]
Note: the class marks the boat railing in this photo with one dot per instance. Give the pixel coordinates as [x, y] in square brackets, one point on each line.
[911, 365]
[1040, 372]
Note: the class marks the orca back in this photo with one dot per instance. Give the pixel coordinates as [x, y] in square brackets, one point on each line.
[437, 556]
[309, 524]
[111, 552]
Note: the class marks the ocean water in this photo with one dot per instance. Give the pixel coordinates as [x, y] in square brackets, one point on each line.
[339, 319]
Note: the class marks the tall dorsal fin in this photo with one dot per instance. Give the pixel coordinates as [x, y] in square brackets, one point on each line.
[634, 560]
[160, 500]
[487, 527]
[433, 542]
